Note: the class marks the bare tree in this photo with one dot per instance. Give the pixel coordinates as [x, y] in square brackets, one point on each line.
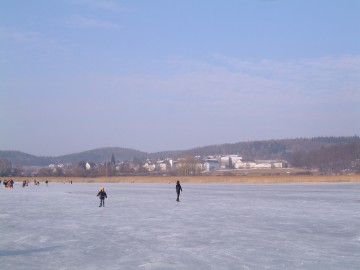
[187, 166]
[5, 167]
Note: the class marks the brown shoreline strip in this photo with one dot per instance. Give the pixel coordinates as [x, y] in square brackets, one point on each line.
[199, 179]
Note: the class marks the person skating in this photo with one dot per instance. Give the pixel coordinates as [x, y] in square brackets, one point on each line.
[102, 195]
[178, 189]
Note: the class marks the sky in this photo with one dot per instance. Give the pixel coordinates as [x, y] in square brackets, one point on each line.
[76, 75]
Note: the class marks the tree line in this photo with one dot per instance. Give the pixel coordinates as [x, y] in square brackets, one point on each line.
[329, 154]
[332, 158]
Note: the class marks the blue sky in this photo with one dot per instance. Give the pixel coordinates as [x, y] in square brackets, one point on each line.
[166, 75]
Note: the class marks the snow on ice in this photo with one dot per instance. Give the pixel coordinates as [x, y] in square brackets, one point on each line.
[214, 226]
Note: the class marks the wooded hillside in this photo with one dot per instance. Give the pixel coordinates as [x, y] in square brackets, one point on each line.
[333, 153]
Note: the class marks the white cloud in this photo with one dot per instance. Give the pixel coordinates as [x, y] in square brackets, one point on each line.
[304, 79]
[20, 37]
[238, 82]
[100, 4]
[239, 87]
[296, 68]
[86, 22]
[30, 38]
[206, 99]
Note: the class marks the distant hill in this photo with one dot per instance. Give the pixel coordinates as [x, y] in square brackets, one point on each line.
[20, 158]
[285, 149]
[103, 155]
[96, 155]
[270, 149]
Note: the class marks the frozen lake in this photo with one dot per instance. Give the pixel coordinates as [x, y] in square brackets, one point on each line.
[215, 226]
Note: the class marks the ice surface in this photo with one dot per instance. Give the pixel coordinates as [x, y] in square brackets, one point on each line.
[215, 226]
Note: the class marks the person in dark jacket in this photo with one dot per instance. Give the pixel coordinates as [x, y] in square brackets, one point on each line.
[102, 195]
[178, 189]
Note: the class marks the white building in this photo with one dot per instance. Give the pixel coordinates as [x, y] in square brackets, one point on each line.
[258, 164]
[87, 166]
[211, 165]
[161, 165]
[150, 167]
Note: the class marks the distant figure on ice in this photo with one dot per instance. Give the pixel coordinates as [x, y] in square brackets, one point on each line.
[178, 189]
[102, 195]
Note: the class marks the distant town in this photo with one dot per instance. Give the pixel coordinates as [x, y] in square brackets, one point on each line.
[184, 166]
[320, 155]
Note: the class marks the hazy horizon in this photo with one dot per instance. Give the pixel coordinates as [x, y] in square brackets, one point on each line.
[77, 75]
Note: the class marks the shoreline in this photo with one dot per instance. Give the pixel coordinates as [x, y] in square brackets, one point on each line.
[198, 179]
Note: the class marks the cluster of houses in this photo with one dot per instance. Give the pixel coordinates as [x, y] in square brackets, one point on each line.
[209, 163]
[186, 165]
[237, 162]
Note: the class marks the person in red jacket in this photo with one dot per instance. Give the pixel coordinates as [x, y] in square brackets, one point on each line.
[102, 195]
